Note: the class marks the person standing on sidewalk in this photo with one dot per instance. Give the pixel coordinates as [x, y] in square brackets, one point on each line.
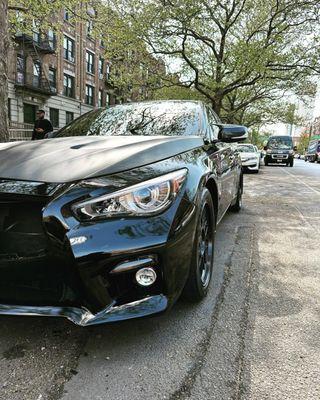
[42, 126]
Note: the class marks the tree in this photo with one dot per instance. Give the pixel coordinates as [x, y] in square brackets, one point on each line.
[235, 53]
[303, 143]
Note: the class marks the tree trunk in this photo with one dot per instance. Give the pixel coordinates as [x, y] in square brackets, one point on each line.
[4, 48]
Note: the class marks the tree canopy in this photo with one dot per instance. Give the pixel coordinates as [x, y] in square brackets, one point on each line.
[238, 54]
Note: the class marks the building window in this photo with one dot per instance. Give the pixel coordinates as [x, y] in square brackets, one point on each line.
[68, 49]
[69, 117]
[101, 67]
[89, 28]
[90, 62]
[68, 85]
[108, 71]
[29, 113]
[20, 69]
[89, 95]
[54, 117]
[100, 98]
[36, 79]
[9, 110]
[53, 79]
[35, 32]
[108, 99]
[51, 39]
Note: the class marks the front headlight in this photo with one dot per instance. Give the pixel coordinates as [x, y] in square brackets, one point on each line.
[146, 198]
[269, 151]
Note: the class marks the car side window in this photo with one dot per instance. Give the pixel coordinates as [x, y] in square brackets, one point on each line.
[213, 120]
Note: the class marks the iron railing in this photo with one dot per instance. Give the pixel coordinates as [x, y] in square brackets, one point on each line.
[41, 41]
[37, 83]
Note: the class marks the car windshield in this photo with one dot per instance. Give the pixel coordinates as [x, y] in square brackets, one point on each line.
[146, 119]
[248, 148]
[279, 142]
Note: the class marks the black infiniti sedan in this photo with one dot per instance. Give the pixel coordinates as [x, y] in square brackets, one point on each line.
[115, 217]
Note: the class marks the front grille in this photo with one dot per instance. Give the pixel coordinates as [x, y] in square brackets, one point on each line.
[32, 272]
[280, 156]
[21, 232]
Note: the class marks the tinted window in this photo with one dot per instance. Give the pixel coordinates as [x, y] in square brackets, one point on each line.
[280, 142]
[149, 119]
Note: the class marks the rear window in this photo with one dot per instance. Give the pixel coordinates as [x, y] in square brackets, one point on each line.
[146, 119]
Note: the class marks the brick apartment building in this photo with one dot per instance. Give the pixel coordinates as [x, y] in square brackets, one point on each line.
[67, 76]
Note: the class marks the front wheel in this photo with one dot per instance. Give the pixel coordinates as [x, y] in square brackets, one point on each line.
[200, 272]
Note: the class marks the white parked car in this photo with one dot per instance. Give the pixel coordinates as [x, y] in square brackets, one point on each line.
[250, 157]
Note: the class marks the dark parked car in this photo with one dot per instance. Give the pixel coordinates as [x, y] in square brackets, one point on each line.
[280, 150]
[115, 217]
[313, 151]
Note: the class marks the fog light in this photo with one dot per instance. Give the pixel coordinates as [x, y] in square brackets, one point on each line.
[146, 276]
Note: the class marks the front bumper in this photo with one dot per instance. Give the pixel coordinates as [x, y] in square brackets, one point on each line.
[83, 317]
[251, 165]
[278, 158]
[74, 272]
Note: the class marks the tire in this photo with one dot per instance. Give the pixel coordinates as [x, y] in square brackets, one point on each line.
[236, 207]
[200, 273]
[266, 163]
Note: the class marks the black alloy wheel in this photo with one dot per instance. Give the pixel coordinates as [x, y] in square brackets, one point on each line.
[200, 272]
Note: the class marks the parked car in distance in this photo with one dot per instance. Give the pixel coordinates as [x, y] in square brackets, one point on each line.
[115, 216]
[313, 151]
[250, 157]
[279, 150]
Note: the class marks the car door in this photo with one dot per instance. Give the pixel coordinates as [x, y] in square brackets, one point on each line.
[224, 160]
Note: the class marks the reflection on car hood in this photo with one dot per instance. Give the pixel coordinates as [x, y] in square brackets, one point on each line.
[75, 158]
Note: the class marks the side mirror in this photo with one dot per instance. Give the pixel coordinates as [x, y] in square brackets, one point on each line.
[295, 148]
[233, 133]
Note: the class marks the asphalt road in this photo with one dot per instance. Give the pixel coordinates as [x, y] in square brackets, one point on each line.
[255, 337]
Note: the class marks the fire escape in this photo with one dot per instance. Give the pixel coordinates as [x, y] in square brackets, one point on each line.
[32, 76]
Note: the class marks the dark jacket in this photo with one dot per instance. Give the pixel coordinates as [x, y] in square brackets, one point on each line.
[44, 124]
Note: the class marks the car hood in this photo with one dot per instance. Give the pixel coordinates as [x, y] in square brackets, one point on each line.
[74, 158]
